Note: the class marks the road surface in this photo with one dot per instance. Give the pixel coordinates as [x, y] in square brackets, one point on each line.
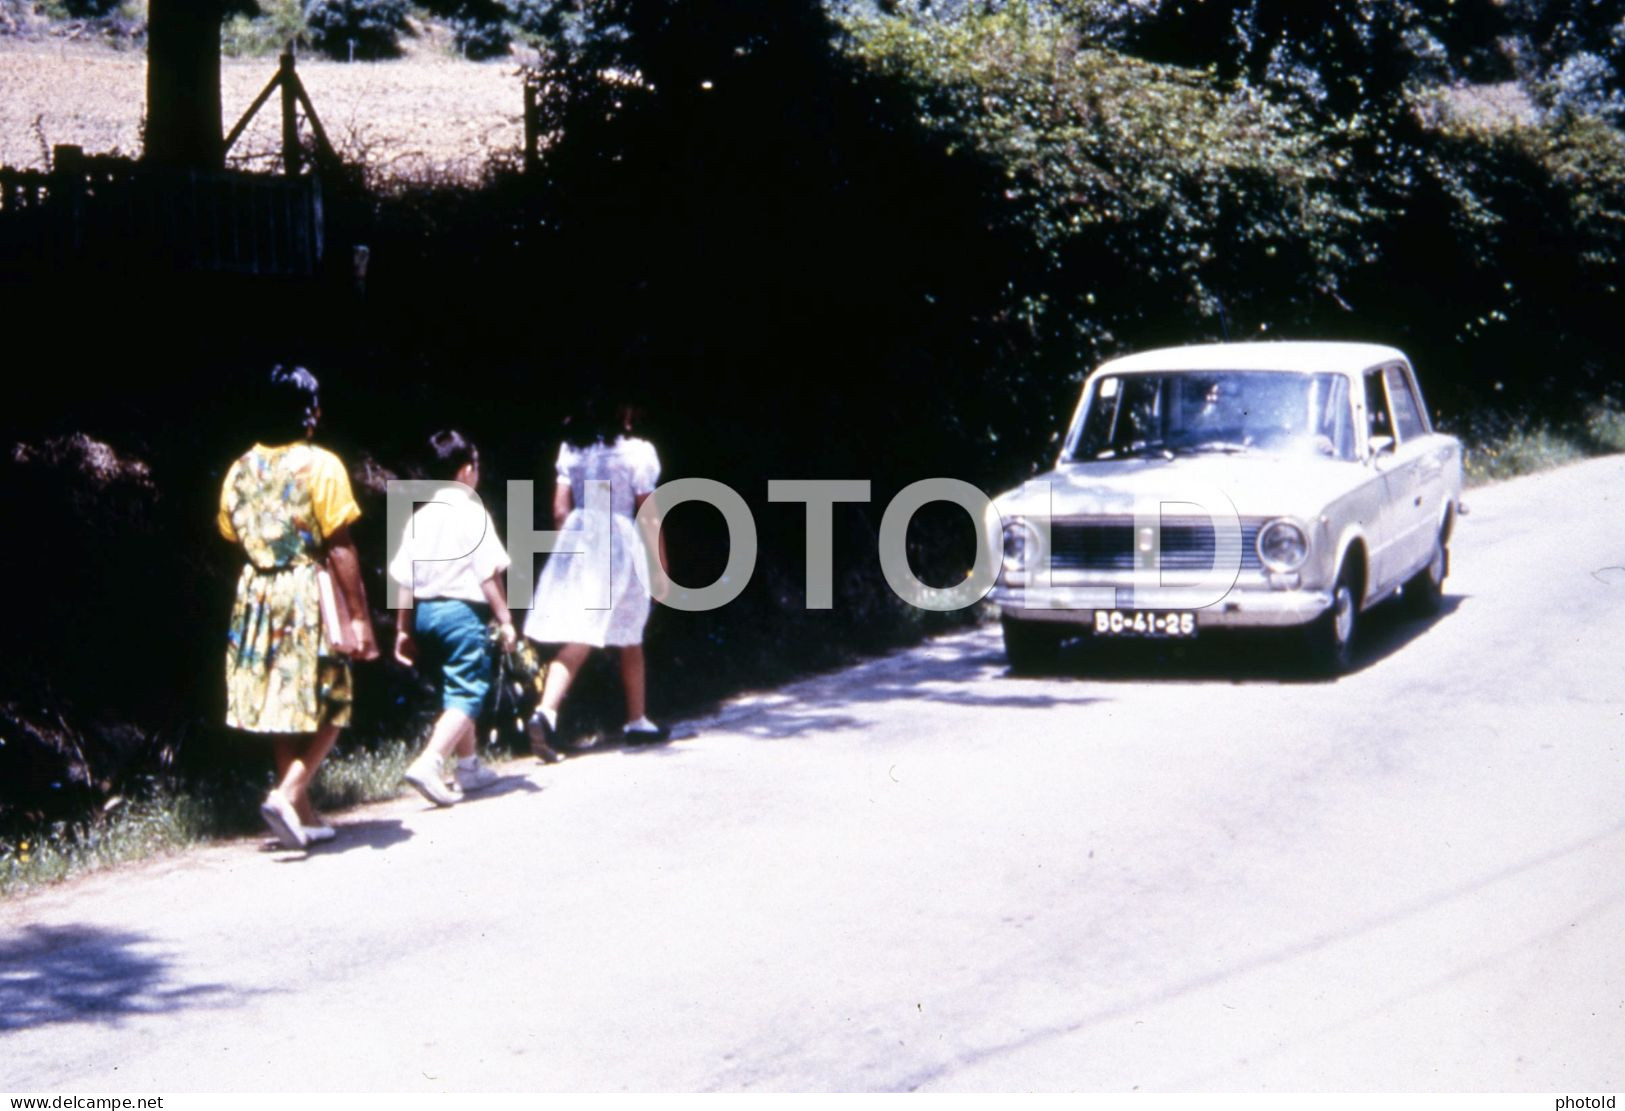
[922, 873]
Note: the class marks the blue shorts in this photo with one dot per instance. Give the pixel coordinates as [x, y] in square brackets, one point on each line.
[452, 634]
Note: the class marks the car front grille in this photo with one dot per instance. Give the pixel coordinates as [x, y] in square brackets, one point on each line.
[1107, 544]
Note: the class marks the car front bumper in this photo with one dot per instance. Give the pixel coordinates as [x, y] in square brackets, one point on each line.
[1240, 608]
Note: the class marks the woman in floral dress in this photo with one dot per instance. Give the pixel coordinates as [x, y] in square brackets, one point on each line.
[290, 506]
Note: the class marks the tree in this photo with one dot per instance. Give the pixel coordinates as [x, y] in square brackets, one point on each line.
[1346, 60]
[183, 80]
[363, 29]
[1572, 53]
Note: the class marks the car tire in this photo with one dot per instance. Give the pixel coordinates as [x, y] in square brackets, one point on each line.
[1031, 646]
[1424, 591]
[1331, 635]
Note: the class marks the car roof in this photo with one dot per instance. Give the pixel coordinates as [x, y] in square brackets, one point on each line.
[1301, 356]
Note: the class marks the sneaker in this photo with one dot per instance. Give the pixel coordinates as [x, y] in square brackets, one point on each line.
[280, 818]
[476, 778]
[541, 737]
[425, 776]
[645, 735]
[315, 834]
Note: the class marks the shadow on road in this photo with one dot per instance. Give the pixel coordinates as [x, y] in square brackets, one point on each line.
[376, 833]
[507, 785]
[65, 974]
[955, 671]
[971, 671]
[1236, 656]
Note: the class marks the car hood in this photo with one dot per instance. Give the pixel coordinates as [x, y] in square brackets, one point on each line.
[1255, 485]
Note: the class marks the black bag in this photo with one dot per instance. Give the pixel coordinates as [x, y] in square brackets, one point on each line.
[515, 692]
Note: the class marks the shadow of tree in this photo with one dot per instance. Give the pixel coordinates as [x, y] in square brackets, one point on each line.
[970, 670]
[951, 671]
[69, 974]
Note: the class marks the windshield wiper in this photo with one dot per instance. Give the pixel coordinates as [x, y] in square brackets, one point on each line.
[1228, 447]
[1136, 451]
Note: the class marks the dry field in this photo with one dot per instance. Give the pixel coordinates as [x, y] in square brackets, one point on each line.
[402, 119]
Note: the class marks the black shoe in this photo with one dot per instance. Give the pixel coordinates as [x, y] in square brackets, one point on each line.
[541, 734]
[646, 736]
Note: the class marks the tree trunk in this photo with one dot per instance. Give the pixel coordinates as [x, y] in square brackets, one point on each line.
[183, 83]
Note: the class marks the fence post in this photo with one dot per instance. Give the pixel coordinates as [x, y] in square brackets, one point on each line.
[290, 120]
[67, 195]
[533, 126]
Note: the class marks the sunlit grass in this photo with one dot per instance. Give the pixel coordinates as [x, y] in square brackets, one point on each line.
[1498, 446]
[170, 821]
[123, 831]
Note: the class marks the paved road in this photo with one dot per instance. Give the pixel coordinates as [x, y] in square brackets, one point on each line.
[922, 873]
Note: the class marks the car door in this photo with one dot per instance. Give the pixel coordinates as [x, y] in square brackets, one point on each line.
[1413, 473]
[1379, 520]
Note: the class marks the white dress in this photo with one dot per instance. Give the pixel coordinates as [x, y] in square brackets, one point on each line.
[593, 596]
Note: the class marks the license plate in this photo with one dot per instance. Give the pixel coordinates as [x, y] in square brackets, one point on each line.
[1145, 623]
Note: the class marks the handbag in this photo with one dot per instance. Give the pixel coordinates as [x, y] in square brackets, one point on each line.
[516, 691]
[341, 638]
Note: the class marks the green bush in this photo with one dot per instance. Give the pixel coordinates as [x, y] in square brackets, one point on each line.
[363, 29]
[479, 29]
[279, 23]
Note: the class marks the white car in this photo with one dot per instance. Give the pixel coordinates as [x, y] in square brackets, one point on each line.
[1232, 486]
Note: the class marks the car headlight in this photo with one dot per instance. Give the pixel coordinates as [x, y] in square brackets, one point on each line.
[1020, 545]
[1282, 546]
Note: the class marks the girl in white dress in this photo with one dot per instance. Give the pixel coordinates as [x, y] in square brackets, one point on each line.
[592, 599]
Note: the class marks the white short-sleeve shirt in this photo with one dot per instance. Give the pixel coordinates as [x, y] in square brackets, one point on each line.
[450, 547]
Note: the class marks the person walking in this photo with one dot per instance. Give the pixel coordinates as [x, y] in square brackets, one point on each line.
[287, 503]
[448, 575]
[571, 591]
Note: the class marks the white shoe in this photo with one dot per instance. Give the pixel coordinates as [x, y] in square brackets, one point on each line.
[313, 834]
[425, 776]
[281, 819]
[475, 778]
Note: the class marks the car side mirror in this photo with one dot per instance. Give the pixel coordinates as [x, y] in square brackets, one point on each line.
[1381, 444]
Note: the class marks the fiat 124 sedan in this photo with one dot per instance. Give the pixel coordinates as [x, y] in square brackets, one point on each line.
[1241, 485]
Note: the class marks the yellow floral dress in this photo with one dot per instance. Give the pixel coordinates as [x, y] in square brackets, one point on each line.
[281, 504]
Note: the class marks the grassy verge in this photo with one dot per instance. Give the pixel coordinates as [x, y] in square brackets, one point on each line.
[1499, 446]
[169, 820]
[124, 830]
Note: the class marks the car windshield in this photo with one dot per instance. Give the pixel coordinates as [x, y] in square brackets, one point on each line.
[1197, 412]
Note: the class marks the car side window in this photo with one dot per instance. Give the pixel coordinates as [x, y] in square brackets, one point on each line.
[1376, 407]
[1408, 418]
[1333, 422]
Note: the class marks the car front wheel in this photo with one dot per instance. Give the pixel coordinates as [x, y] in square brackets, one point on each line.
[1331, 636]
[1030, 646]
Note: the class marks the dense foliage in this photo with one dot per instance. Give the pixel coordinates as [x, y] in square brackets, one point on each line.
[356, 28]
[1299, 169]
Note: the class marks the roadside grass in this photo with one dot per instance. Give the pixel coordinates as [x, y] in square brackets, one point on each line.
[124, 830]
[166, 820]
[1498, 446]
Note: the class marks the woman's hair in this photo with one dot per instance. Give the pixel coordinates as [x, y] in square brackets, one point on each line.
[600, 417]
[449, 450]
[286, 405]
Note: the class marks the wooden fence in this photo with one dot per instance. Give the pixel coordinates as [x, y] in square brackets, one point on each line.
[104, 212]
